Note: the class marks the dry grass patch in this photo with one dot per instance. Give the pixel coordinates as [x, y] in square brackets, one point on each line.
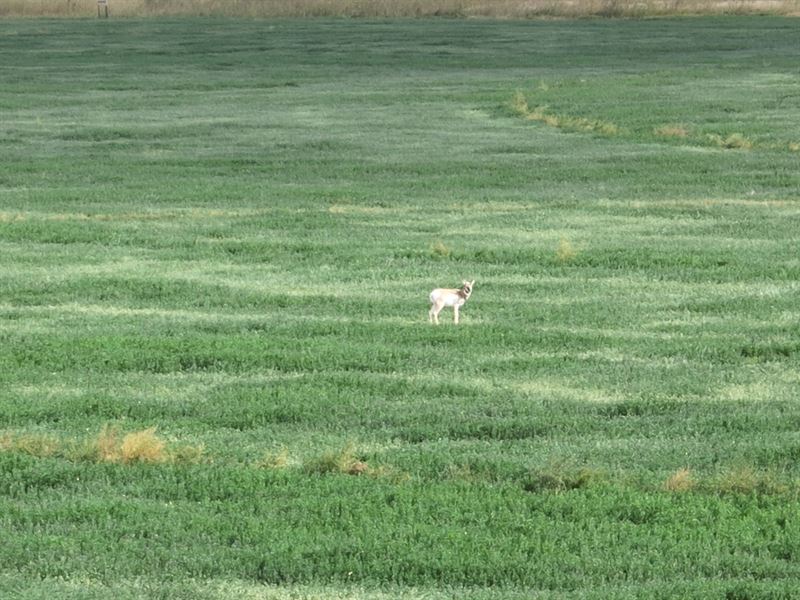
[519, 106]
[565, 252]
[559, 476]
[735, 141]
[106, 445]
[138, 446]
[109, 445]
[344, 460]
[398, 8]
[747, 480]
[574, 124]
[143, 446]
[39, 445]
[439, 249]
[274, 460]
[672, 131]
[681, 480]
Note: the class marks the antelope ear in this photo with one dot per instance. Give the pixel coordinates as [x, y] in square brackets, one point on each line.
[472, 283]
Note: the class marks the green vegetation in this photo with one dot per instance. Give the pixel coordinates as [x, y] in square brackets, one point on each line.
[217, 242]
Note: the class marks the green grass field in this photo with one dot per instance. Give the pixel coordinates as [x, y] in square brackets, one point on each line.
[217, 240]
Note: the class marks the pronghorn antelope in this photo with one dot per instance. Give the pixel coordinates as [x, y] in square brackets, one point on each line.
[441, 297]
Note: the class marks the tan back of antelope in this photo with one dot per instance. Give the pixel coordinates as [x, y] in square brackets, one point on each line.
[441, 297]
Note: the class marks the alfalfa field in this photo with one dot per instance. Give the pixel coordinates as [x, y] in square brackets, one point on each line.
[217, 375]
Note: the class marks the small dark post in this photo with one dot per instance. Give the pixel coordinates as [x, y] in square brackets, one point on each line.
[102, 8]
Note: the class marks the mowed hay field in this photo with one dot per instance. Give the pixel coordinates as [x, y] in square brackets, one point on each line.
[217, 240]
